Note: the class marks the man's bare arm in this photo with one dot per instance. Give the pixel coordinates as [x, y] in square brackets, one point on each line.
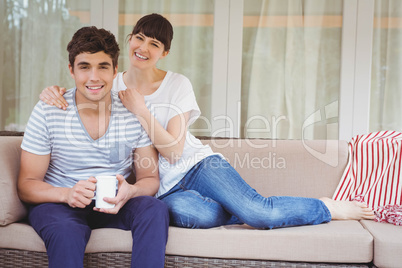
[32, 189]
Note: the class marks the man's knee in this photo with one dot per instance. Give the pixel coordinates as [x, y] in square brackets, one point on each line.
[149, 207]
[66, 233]
[54, 222]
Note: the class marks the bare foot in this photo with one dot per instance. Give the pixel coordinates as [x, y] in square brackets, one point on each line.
[348, 210]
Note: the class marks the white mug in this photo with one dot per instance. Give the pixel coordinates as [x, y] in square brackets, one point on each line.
[106, 186]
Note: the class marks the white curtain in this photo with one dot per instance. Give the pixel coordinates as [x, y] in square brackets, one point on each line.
[34, 37]
[291, 69]
[386, 78]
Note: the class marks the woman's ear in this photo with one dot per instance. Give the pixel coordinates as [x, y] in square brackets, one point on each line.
[165, 53]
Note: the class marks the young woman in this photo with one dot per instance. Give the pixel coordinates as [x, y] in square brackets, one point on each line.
[200, 188]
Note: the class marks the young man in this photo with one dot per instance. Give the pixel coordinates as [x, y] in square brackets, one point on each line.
[63, 151]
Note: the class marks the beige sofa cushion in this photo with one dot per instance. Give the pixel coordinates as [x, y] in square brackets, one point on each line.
[337, 241]
[387, 243]
[11, 208]
[22, 236]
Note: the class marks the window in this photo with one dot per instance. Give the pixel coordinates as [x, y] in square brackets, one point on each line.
[33, 53]
[283, 69]
[291, 69]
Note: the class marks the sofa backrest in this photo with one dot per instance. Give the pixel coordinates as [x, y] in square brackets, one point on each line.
[11, 208]
[286, 167]
[272, 167]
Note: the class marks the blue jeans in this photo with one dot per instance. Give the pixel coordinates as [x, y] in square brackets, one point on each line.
[213, 194]
[66, 230]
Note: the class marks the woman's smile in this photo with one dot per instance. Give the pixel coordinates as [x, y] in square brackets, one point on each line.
[140, 56]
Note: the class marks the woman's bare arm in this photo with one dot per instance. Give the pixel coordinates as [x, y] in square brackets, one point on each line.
[169, 142]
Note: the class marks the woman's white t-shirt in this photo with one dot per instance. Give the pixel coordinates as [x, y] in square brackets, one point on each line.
[174, 96]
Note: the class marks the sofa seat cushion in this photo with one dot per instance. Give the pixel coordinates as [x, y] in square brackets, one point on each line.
[22, 236]
[387, 243]
[337, 241]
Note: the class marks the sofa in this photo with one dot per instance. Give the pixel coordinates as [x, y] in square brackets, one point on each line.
[272, 167]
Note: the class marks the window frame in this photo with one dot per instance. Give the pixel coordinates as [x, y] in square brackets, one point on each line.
[357, 46]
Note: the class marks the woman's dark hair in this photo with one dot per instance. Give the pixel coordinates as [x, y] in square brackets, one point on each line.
[155, 26]
[92, 40]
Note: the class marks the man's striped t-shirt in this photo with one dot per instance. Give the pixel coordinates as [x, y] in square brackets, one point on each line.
[74, 155]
